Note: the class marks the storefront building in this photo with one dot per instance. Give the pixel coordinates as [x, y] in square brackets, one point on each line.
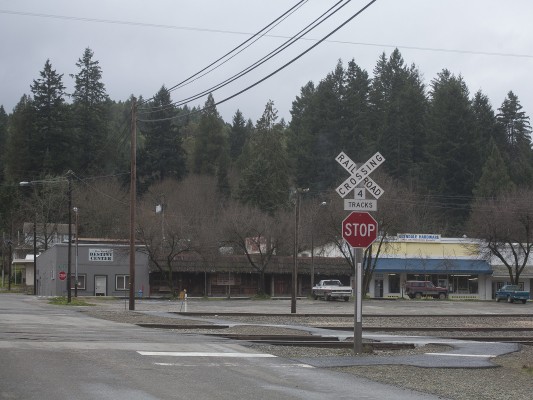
[102, 269]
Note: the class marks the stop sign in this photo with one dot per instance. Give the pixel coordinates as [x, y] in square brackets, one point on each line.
[62, 275]
[359, 229]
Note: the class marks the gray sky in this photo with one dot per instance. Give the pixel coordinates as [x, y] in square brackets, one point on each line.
[165, 41]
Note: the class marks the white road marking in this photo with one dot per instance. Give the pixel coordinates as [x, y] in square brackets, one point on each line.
[229, 365]
[201, 354]
[461, 355]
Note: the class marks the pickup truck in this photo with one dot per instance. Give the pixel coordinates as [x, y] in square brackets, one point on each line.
[330, 289]
[512, 293]
[419, 289]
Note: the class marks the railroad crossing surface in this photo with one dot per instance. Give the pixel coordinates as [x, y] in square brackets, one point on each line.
[462, 353]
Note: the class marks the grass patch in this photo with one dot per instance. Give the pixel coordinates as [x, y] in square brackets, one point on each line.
[261, 297]
[63, 301]
[528, 368]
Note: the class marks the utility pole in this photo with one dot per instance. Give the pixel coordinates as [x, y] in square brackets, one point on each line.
[133, 199]
[69, 259]
[294, 290]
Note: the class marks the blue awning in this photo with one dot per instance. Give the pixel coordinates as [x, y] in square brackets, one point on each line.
[432, 266]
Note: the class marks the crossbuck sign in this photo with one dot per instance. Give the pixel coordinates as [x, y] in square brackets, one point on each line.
[360, 175]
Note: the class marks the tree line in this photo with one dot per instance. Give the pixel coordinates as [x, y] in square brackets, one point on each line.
[445, 149]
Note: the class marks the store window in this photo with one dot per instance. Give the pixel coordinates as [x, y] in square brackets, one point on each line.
[394, 283]
[464, 284]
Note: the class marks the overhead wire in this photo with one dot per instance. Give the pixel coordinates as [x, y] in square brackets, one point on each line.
[195, 29]
[255, 36]
[359, 12]
[308, 28]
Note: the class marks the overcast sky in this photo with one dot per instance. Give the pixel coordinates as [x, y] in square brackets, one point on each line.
[143, 45]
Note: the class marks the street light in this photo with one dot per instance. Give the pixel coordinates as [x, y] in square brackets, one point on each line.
[9, 265]
[294, 289]
[34, 242]
[313, 216]
[33, 183]
[76, 210]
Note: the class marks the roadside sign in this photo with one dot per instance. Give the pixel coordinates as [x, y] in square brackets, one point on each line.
[359, 229]
[360, 205]
[359, 175]
[62, 275]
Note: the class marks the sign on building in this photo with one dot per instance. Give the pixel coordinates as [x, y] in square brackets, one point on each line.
[105, 255]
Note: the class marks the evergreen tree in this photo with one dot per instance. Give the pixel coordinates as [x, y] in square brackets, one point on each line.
[398, 106]
[162, 156]
[237, 136]
[90, 116]
[451, 146]
[53, 142]
[264, 182]
[486, 132]
[302, 138]
[317, 130]
[517, 130]
[494, 179]
[20, 161]
[3, 140]
[211, 141]
[356, 133]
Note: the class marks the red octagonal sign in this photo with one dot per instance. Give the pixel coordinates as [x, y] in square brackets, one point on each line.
[359, 229]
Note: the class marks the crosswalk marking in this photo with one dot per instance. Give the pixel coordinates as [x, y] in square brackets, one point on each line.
[227, 364]
[203, 354]
[461, 355]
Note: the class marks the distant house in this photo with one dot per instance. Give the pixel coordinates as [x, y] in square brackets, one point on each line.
[46, 236]
[101, 266]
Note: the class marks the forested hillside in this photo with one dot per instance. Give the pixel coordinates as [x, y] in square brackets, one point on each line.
[443, 144]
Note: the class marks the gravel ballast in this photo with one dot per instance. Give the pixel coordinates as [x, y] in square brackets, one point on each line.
[511, 377]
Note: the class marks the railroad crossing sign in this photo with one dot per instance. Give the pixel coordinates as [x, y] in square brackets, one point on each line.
[62, 275]
[360, 175]
[359, 229]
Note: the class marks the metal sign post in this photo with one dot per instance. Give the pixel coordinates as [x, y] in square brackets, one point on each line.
[359, 229]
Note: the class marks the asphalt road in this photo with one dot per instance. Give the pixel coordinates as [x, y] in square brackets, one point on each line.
[54, 353]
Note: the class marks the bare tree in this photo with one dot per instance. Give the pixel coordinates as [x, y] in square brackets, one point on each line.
[103, 206]
[185, 222]
[46, 207]
[399, 209]
[504, 227]
[256, 234]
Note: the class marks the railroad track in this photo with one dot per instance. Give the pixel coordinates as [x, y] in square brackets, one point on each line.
[481, 332]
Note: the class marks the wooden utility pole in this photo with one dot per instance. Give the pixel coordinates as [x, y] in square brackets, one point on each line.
[133, 200]
[69, 257]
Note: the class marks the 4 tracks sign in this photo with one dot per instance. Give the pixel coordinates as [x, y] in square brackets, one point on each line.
[359, 229]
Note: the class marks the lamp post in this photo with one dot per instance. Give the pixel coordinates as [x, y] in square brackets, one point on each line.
[69, 262]
[294, 289]
[23, 184]
[33, 183]
[76, 210]
[323, 204]
[9, 265]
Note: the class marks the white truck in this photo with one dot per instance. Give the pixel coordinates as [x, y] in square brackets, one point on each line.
[330, 289]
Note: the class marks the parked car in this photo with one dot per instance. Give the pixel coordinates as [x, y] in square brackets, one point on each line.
[330, 289]
[419, 289]
[512, 293]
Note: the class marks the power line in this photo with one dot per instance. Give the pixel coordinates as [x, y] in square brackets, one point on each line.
[315, 23]
[280, 68]
[209, 30]
[259, 34]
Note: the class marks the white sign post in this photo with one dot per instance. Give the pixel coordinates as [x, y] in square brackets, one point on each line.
[359, 181]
